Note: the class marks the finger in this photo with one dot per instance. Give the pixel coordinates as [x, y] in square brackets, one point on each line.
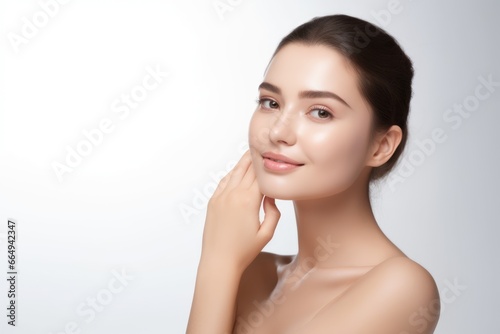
[239, 170]
[271, 218]
[222, 184]
[255, 184]
[249, 177]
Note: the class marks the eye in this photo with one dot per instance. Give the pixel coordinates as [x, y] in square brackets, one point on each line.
[323, 113]
[273, 104]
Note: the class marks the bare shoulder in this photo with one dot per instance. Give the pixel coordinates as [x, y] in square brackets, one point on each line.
[264, 267]
[260, 277]
[396, 296]
[410, 293]
[401, 272]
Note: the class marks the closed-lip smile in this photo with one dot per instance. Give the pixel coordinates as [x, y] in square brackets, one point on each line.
[280, 158]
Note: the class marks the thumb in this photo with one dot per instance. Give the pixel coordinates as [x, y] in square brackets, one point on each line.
[271, 218]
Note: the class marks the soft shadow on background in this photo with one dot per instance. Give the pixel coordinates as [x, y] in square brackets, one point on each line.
[118, 118]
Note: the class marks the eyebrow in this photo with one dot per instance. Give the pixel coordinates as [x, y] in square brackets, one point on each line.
[305, 94]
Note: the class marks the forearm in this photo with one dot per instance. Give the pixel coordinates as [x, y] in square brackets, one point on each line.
[214, 300]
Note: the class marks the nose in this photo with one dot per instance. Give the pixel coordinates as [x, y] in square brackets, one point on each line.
[282, 129]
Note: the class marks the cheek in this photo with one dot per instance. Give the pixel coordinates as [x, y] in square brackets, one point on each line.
[339, 154]
[258, 132]
[358, 146]
[256, 141]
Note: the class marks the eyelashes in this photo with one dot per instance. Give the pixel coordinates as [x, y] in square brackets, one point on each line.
[260, 101]
[320, 109]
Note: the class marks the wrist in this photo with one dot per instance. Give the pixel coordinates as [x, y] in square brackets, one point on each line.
[219, 265]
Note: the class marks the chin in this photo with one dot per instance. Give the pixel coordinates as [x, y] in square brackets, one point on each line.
[272, 192]
[281, 193]
[293, 192]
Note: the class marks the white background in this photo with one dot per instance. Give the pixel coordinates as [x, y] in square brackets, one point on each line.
[120, 208]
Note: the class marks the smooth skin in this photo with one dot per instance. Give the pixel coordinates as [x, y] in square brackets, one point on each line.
[347, 276]
[232, 238]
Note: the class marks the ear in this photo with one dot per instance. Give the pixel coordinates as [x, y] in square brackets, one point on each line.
[384, 146]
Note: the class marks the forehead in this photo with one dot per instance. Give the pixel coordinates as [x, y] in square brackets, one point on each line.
[302, 54]
[299, 67]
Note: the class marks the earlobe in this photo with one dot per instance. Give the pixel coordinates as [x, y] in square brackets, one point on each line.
[384, 146]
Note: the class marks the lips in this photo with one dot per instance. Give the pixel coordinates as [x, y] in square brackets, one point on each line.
[280, 158]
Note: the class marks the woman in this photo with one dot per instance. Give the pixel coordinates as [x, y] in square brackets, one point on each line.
[331, 119]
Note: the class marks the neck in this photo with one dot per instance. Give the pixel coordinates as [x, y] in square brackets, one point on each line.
[339, 230]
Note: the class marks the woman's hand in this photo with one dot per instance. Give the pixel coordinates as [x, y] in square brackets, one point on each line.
[232, 238]
[233, 234]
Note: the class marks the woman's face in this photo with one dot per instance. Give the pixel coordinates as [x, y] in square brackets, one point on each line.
[332, 145]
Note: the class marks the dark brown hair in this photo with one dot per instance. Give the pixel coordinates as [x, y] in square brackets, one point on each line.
[385, 72]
